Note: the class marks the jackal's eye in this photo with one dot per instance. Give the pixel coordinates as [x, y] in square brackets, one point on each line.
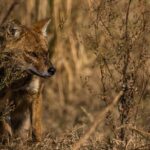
[34, 54]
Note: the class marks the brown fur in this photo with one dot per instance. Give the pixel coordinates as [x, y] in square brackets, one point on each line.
[27, 50]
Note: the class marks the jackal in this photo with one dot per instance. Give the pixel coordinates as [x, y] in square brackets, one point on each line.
[26, 53]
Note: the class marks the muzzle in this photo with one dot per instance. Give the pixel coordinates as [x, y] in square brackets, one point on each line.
[50, 72]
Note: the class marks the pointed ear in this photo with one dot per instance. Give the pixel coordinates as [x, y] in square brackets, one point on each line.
[41, 26]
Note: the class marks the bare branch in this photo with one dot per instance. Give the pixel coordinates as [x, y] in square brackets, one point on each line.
[100, 117]
[8, 11]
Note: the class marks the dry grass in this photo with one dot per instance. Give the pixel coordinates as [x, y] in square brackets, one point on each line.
[99, 48]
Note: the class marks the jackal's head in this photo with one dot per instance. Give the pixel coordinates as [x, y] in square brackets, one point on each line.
[29, 46]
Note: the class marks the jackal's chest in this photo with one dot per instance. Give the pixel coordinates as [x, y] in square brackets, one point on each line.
[34, 85]
[30, 85]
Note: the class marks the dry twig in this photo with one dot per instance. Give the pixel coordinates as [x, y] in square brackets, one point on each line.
[100, 117]
[10, 8]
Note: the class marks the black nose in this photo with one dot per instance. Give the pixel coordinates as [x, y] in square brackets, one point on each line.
[51, 70]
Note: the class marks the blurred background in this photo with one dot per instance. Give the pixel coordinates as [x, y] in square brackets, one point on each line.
[88, 40]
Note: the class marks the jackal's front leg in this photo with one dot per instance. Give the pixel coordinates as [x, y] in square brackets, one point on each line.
[5, 132]
[36, 118]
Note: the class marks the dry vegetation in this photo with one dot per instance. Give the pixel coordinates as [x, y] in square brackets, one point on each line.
[99, 99]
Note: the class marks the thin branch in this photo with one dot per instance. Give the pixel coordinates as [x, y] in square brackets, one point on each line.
[127, 54]
[8, 11]
[139, 131]
[100, 117]
[127, 20]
